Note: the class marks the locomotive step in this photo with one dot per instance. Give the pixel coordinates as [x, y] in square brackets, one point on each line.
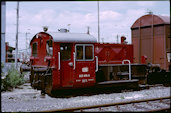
[118, 81]
[99, 88]
[40, 69]
[48, 74]
[122, 73]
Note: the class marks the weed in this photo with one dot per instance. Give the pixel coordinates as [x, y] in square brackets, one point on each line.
[12, 79]
[122, 97]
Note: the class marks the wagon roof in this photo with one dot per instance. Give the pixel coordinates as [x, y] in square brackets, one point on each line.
[146, 20]
[72, 37]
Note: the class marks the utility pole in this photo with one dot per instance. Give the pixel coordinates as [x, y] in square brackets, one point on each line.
[98, 24]
[16, 46]
[27, 41]
[88, 32]
[69, 27]
[102, 40]
[117, 39]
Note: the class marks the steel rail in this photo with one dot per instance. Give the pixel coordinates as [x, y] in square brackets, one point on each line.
[107, 105]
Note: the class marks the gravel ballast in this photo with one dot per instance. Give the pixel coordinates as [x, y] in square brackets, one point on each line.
[26, 99]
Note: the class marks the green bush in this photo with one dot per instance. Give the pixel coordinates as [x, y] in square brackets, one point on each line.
[12, 79]
[2, 66]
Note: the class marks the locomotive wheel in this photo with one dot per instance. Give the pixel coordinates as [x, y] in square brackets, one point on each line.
[31, 76]
[35, 81]
[48, 85]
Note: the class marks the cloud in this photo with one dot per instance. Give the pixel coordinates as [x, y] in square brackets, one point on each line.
[145, 3]
[132, 15]
[111, 22]
[110, 15]
[10, 18]
[115, 18]
[121, 25]
[165, 15]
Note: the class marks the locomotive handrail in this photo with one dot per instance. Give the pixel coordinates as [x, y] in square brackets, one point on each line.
[74, 60]
[129, 67]
[59, 62]
[96, 63]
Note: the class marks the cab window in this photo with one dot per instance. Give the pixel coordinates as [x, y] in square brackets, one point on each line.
[49, 48]
[65, 50]
[84, 52]
[34, 49]
[89, 52]
[79, 52]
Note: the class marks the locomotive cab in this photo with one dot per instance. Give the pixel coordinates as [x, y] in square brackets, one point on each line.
[62, 60]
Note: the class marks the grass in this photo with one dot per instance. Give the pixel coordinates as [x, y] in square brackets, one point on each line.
[122, 97]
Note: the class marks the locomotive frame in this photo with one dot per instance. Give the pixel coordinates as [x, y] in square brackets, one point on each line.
[68, 61]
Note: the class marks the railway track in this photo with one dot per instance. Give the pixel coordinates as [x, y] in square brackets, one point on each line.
[147, 105]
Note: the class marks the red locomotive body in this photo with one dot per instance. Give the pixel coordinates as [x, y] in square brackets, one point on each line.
[66, 60]
[113, 53]
[69, 57]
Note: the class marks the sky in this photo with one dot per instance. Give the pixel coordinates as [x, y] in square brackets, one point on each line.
[116, 18]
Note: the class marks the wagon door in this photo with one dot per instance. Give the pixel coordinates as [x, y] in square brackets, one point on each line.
[66, 67]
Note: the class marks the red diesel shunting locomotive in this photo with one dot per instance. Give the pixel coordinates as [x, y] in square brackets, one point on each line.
[65, 60]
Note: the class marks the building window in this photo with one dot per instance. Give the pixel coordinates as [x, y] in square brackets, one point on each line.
[34, 50]
[49, 48]
[65, 50]
[84, 52]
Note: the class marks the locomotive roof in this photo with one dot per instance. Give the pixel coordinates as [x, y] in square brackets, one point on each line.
[72, 37]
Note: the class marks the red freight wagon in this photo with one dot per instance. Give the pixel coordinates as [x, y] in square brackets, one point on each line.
[151, 38]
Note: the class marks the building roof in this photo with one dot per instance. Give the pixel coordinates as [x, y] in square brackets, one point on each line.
[148, 20]
[9, 47]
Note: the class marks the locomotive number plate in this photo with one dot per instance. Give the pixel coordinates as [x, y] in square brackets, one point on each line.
[84, 75]
[85, 69]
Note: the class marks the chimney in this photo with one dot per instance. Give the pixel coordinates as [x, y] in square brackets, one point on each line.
[88, 32]
[45, 28]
